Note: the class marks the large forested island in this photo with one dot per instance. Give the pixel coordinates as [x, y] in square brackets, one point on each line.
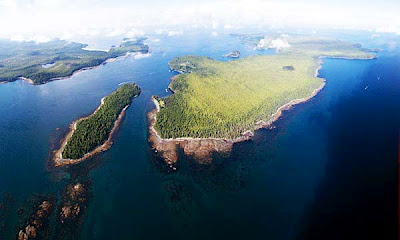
[224, 100]
[92, 134]
[39, 63]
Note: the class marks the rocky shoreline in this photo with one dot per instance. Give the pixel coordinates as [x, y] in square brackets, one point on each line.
[199, 148]
[57, 154]
[28, 80]
[203, 148]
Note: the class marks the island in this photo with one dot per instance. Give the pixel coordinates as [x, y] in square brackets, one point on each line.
[93, 134]
[216, 104]
[234, 54]
[38, 63]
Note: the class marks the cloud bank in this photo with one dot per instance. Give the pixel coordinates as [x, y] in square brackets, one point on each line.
[75, 19]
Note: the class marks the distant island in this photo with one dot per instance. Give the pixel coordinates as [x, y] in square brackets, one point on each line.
[234, 54]
[91, 135]
[216, 104]
[39, 63]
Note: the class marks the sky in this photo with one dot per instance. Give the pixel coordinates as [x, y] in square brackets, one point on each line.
[41, 20]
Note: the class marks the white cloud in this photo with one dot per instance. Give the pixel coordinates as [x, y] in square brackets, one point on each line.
[91, 48]
[228, 26]
[115, 32]
[214, 34]
[159, 31]
[279, 44]
[134, 32]
[141, 55]
[175, 33]
[77, 18]
[35, 38]
[214, 25]
[8, 3]
[264, 43]
[269, 43]
[391, 28]
[18, 38]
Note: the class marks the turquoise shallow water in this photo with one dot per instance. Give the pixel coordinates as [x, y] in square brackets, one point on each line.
[328, 169]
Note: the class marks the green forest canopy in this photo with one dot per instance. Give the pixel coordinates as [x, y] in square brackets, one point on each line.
[224, 99]
[25, 59]
[94, 131]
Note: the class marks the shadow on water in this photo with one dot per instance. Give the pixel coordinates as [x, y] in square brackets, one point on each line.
[357, 198]
[196, 190]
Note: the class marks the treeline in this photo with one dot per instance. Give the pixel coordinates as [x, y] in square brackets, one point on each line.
[26, 59]
[224, 99]
[179, 119]
[94, 130]
[188, 64]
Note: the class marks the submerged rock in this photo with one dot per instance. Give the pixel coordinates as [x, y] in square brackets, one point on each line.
[36, 225]
[28, 233]
[76, 192]
[69, 212]
[44, 209]
[75, 197]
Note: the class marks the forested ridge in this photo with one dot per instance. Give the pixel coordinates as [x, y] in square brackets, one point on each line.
[26, 59]
[224, 99]
[94, 130]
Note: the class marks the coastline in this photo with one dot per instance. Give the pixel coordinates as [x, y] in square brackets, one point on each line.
[57, 154]
[350, 58]
[108, 60]
[202, 148]
[28, 80]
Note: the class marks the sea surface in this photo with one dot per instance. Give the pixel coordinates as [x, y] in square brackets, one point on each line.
[327, 170]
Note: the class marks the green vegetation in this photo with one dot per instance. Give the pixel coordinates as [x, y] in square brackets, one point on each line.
[94, 130]
[26, 59]
[311, 45]
[224, 99]
[160, 101]
[316, 47]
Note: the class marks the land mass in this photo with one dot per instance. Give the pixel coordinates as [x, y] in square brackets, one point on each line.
[39, 63]
[234, 54]
[216, 104]
[91, 135]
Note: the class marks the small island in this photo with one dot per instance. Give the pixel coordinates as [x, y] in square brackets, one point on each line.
[216, 104]
[234, 54]
[38, 63]
[91, 135]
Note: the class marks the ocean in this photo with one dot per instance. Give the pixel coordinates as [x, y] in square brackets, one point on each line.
[327, 170]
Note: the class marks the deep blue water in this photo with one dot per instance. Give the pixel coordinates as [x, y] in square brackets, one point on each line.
[327, 171]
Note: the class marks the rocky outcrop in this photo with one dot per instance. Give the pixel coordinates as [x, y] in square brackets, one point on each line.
[28, 233]
[69, 212]
[200, 149]
[35, 227]
[75, 198]
[234, 54]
